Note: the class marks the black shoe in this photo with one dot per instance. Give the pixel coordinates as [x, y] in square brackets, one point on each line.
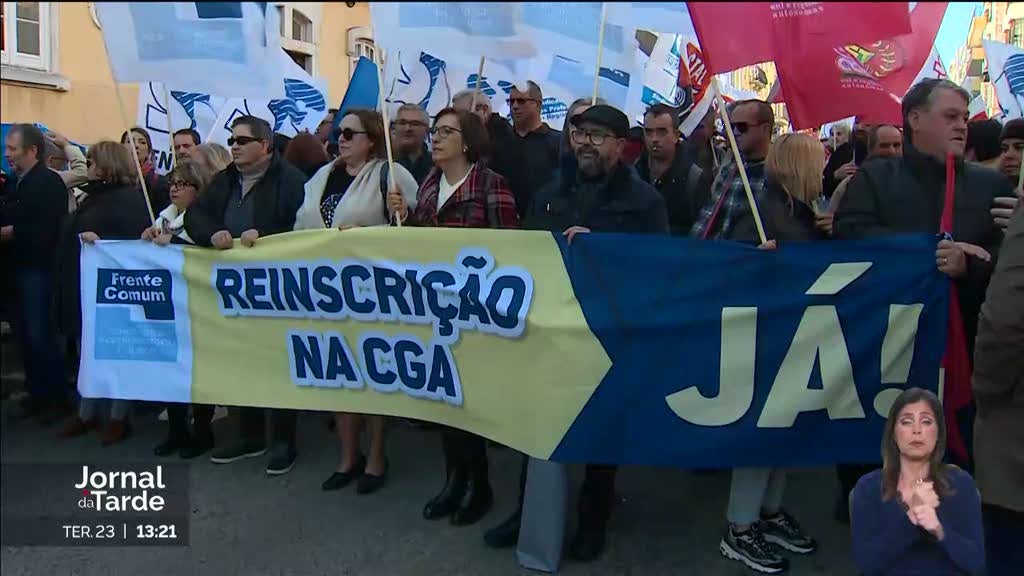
[753, 550]
[784, 531]
[339, 480]
[370, 483]
[196, 446]
[282, 458]
[506, 534]
[475, 502]
[587, 545]
[169, 446]
[447, 500]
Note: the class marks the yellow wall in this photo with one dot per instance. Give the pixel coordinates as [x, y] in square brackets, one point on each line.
[88, 111]
[333, 48]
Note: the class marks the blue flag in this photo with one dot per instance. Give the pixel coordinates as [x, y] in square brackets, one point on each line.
[363, 91]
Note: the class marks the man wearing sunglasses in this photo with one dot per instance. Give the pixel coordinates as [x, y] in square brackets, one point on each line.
[603, 195]
[257, 195]
[538, 141]
[409, 134]
[752, 122]
[668, 165]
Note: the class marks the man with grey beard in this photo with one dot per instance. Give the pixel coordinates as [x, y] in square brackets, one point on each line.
[601, 195]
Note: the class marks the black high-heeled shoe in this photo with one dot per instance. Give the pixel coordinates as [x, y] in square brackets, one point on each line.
[339, 480]
[370, 483]
[448, 499]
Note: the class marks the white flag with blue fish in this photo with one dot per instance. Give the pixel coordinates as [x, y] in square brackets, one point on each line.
[213, 47]
[1006, 71]
[301, 110]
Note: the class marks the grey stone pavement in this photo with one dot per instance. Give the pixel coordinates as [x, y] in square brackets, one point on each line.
[245, 523]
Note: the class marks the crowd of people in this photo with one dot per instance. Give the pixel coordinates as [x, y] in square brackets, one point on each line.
[468, 167]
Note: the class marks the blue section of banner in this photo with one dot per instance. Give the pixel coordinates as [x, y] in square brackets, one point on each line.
[473, 18]
[118, 337]
[656, 306]
[161, 35]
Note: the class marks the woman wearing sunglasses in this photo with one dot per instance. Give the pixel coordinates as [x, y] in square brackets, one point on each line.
[349, 193]
[458, 193]
[113, 209]
[917, 515]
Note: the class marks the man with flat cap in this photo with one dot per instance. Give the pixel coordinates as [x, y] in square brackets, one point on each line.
[601, 195]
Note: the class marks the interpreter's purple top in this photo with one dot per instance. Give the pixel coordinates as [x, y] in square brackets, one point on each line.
[885, 543]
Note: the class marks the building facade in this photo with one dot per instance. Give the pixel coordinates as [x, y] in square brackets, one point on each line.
[54, 68]
[995, 21]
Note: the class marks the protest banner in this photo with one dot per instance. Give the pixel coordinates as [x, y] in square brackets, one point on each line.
[627, 349]
[211, 47]
[301, 110]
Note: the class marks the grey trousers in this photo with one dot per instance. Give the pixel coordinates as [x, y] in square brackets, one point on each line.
[542, 529]
[753, 490]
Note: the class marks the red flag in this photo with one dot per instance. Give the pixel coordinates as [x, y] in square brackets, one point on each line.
[867, 81]
[737, 34]
[956, 391]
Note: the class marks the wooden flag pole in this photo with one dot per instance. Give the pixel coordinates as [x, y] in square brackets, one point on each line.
[739, 160]
[600, 50]
[387, 127]
[479, 83]
[170, 130]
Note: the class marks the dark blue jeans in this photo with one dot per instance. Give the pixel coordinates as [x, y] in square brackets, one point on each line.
[38, 336]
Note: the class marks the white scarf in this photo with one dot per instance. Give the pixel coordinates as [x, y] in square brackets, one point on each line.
[362, 204]
[171, 222]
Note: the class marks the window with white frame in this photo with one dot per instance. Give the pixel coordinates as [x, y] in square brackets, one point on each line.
[298, 36]
[25, 35]
[302, 27]
[360, 43]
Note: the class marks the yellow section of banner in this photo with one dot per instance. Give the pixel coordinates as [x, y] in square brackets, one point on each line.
[524, 392]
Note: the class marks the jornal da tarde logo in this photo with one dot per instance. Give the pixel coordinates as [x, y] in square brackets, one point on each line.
[120, 491]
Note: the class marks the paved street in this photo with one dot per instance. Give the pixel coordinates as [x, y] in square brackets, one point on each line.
[246, 523]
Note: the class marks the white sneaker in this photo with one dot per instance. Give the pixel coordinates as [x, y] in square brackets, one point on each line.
[162, 416]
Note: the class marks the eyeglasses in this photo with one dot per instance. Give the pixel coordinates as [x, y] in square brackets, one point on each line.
[595, 138]
[241, 140]
[408, 124]
[513, 101]
[442, 132]
[743, 127]
[180, 184]
[348, 133]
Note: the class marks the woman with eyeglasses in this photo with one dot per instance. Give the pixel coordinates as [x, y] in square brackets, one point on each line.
[156, 185]
[351, 192]
[917, 515]
[458, 193]
[113, 209]
[186, 181]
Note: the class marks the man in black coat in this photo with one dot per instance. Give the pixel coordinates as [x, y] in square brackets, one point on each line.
[597, 193]
[256, 195]
[40, 204]
[506, 155]
[906, 195]
[667, 164]
[847, 157]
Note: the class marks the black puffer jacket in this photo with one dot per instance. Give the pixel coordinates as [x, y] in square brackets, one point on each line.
[277, 197]
[890, 196]
[684, 186]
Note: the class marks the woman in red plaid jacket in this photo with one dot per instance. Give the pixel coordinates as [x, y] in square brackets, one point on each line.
[460, 193]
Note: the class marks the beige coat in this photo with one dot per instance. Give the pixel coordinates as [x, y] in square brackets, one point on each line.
[999, 378]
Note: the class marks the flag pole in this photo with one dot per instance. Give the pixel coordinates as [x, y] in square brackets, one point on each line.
[739, 160]
[131, 135]
[600, 50]
[170, 130]
[1020, 181]
[379, 57]
[479, 83]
